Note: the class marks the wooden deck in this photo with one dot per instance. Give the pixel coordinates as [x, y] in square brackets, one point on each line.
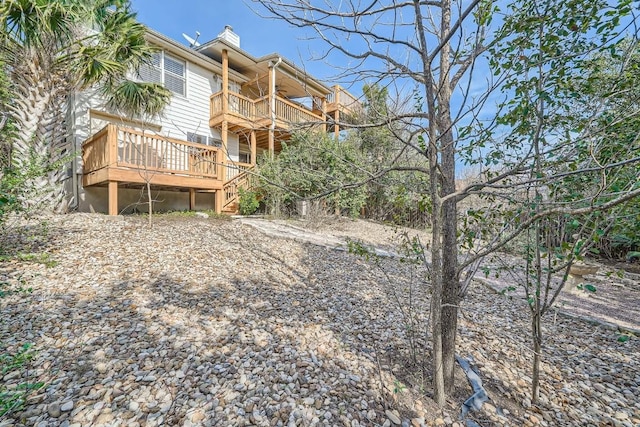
[126, 155]
[243, 113]
[121, 157]
[117, 156]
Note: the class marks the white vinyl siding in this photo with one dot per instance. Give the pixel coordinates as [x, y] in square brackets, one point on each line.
[167, 70]
[217, 85]
[184, 116]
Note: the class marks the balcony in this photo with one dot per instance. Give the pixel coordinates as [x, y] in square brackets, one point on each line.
[243, 112]
[116, 154]
[341, 100]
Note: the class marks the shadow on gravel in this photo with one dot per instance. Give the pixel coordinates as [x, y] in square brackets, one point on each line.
[318, 335]
[326, 322]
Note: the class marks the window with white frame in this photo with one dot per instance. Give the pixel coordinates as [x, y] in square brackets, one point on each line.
[167, 70]
[203, 139]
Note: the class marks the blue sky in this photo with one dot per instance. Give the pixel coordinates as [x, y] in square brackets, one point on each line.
[258, 36]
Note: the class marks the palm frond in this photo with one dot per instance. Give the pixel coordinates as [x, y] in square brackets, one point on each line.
[136, 99]
[34, 23]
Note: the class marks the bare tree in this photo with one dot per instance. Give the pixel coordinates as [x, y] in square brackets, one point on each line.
[433, 54]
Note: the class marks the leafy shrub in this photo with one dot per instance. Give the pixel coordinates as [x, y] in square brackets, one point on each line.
[313, 165]
[248, 201]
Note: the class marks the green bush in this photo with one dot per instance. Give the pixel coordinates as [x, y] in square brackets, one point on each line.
[313, 166]
[248, 201]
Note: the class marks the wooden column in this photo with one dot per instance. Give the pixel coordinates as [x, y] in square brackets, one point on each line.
[224, 135]
[219, 200]
[254, 147]
[222, 170]
[113, 198]
[112, 145]
[192, 199]
[225, 81]
[324, 114]
[272, 108]
[336, 117]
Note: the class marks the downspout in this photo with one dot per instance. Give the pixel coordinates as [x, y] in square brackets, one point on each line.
[272, 89]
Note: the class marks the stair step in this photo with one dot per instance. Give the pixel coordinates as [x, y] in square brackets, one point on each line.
[232, 208]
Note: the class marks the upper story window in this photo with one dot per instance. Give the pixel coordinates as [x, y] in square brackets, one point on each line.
[167, 70]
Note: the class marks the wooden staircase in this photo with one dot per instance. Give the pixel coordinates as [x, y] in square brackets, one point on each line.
[231, 192]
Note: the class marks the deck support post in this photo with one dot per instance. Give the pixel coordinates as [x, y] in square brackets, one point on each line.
[112, 145]
[336, 117]
[224, 133]
[271, 142]
[225, 81]
[219, 200]
[272, 104]
[254, 147]
[192, 199]
[113, 197]
[324, 114]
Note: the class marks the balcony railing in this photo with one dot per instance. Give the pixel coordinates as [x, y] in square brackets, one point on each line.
[290, 112]
[115, 147]
[236, 168]
[340, 97]
[256, 110]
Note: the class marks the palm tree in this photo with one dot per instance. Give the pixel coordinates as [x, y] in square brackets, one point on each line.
[55, 48]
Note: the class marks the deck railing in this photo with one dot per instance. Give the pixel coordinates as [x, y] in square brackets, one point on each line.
[241, 105]
[95, 151]
[215, 103]
[236, 168]
[289, 112]
[132, 149]
[258, 109]
[231, 188]
[238, 104]
[342, 97]
[262, 108]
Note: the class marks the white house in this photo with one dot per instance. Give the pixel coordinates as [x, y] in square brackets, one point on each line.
[227, 108]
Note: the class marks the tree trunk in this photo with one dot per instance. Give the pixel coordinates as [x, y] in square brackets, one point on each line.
[150, 203]
[437, 275]
[436, 314]
[536, 334]
[451, 284]
[39, 142]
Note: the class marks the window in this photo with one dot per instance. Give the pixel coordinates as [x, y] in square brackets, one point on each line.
[174, 75]
[244, 158]
[152, 72]
[203, 139]
[166, 70]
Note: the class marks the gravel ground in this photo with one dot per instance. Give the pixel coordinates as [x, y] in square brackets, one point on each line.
[209, 322]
